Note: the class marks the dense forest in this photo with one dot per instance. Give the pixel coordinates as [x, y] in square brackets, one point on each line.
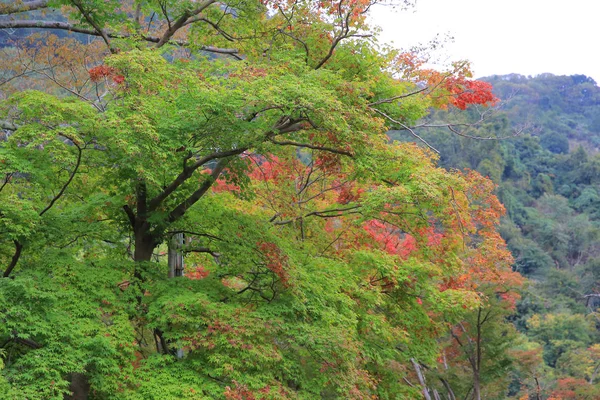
[257, 200]
[547, 172]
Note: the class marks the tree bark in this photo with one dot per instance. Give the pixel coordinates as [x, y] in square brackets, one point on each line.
[176, 263]
[421, 378]
[451, 395]
[477, 366]
[476, 386]
[144, 244]
[15, 258]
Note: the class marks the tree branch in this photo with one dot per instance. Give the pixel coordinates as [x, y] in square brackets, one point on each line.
[7, 126]
[185, 232]
[405, 127]
[28, 342]
[94, 24]
[16, 24]
[7, 9]
[15, 258]
[201, 250]
[181, 22]
[421, 378]
[392, 99]
[178, 211]
[344, 33]
[215, 26]
[6, 180]
[311, 146]
[130, 215]
[323, 214]
[188, 172]
[451, 395]
[457, 132]
[66, 185]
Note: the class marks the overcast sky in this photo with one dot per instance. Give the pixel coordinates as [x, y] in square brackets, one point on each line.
[527, 37]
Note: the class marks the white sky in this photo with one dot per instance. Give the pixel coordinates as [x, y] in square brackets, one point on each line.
[527, 37]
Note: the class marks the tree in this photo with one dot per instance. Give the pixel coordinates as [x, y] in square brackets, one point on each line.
[321, 256]
[484, 335]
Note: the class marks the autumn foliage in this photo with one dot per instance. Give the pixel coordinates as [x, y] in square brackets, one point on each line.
[102, 72]
[321, 260]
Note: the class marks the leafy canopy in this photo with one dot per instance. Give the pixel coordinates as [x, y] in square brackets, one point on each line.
[320, 257]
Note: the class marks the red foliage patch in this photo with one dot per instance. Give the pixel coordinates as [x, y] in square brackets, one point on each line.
[238, 392]
[467, 92]
[392, 241]
[198, 272]
[275, 260]
[566, 389]
[103, 72]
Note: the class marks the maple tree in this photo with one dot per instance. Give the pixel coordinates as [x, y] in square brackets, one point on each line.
[324, 258]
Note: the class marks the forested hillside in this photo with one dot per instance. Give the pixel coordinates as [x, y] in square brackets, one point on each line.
[200, 200]
[547, 171]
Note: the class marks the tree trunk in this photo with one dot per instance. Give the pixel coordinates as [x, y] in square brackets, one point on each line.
[421, 378]
[145, 243]
[476, 386]
[80, 387]
[176, 264]
[478, 355]
[451, 395]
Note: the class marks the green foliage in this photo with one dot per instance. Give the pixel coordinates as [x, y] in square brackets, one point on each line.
[561, 333]
[82, 329]
[555, 143]
[321, 260]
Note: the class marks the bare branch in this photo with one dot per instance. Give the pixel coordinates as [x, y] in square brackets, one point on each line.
[402, 96]
[6, 180]
[312, 146]
[95, 104]
[455, 131]
[344, 33]
[68, 182]
[201, 250]
[94, 24]
[405, 127]
[331, 213]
